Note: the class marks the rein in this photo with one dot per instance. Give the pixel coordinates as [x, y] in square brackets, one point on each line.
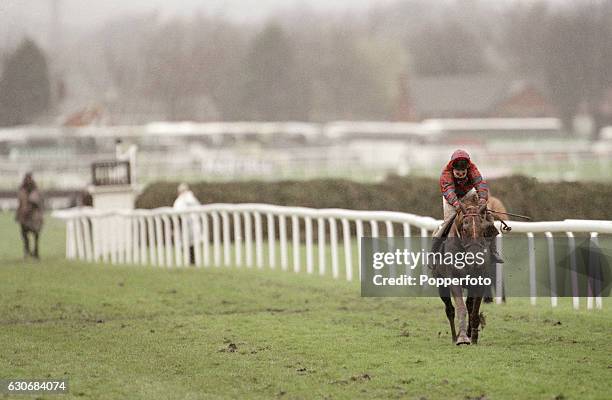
[510, 214]
[473, 223]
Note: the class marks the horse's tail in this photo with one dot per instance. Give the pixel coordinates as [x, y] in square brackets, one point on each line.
[483, 320]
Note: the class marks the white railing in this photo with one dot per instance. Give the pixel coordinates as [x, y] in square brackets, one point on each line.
[233, 234]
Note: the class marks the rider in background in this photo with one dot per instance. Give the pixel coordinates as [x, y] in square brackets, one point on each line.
[29, 214]
[460, 178]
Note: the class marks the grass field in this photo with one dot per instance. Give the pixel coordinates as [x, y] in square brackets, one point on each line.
[150, 333]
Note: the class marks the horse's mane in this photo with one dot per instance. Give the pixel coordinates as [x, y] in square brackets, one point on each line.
[493, 204]
[470, 200]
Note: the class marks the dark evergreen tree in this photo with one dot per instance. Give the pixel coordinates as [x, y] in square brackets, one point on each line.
[25, 88]
[272, 87]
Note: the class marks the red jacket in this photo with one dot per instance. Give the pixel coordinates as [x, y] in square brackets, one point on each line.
[454, 189]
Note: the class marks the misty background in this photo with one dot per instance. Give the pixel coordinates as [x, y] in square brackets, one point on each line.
[139, 61]
[525, 86]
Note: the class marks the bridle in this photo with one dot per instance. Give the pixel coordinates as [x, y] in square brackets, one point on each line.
[473, 216]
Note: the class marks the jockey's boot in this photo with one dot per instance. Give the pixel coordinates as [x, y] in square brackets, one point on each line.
[493, 249]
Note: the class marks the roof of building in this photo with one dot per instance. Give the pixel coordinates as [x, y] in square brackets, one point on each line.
[469, 94]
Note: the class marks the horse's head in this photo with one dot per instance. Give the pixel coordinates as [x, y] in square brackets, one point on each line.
[28, 182]
[472, 225]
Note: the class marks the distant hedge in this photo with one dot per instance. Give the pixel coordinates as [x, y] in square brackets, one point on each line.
[522, 195]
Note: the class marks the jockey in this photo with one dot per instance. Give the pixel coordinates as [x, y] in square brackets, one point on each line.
[461, 178]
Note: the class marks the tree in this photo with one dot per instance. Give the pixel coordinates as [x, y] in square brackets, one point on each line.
[272, 87]
[351, 77]
[445, 49]
[570, 48]
[25, 88]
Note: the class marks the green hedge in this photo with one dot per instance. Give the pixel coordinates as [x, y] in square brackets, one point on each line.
[520, 194]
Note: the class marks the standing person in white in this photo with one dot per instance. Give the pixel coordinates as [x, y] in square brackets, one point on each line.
[185, 200]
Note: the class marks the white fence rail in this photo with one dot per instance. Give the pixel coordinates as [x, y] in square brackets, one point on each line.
[233, 234]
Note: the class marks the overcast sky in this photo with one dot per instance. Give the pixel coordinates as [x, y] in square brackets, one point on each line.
[88, 12]
[33, 17]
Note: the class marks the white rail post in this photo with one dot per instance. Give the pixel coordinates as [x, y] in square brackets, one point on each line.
[407, 244]
[197, 238]
[282, 230]
[159, 241]
[87, 238]
[103, 239]
[374, 228]
[237, 238]
[348, 262]
[119, 239]
[321, 243]
[168, 240]
[248, 239]
[389, 234]
[70, 239]
[308, 233]
[295, 233]
[128, 239]
[122, 234]
[532, 268]
[226, 238]
[259, 254]
[573, 271]
[79, 238]
[152, 242]
[271, 240]
[216, 239]
[178, 243]
[205, 239]
[499, 273]
[135, 235]
[333, 239]
[143, 241]
[114, 245]
[552, 269]
[424, 245]
[359, 231]
[185, 224]
[95, 228]
[594, 272]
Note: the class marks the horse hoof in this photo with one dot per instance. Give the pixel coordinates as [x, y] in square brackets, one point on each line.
[463, 339]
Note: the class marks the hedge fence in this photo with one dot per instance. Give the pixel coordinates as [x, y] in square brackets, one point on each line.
[520, 194]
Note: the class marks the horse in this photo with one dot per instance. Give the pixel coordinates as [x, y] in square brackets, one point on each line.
[29, 215]
[468, 235]
[494, 204]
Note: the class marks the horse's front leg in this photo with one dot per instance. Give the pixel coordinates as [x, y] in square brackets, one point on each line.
[475, 316]
[26, 242]
[35, 253]
[462, 337]
[450, 310]
[469, 303]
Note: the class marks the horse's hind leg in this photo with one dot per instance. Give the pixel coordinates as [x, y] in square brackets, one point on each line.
[35, 253]
[469, 303]
[488, 291]
[26, 242]
[450, 310]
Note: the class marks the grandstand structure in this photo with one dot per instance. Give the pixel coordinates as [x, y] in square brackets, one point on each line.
[61, 157]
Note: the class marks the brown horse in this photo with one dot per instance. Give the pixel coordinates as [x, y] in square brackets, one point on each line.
[29, 214]
[468, 235]
[495, 204]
